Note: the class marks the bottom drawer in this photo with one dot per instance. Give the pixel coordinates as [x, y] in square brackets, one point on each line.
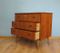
[26, 34]
[14, 31]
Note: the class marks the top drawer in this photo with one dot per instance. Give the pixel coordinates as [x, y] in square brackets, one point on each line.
[28, 17]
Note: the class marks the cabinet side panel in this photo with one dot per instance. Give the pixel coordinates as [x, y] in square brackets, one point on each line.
[46, 25]
[49, 25]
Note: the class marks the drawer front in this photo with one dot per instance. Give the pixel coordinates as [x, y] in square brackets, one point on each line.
[27, 26]
[21, 17]
[26, 34]
[19, 25]
[34, 17]
[14, 31]
[28, 17]
[33, 26]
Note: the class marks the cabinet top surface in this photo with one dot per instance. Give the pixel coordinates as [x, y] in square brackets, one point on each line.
[34, 13]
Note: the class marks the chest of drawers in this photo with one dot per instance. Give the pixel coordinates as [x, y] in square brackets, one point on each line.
[32, 26]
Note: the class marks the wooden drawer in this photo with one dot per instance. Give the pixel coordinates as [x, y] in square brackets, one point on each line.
[28, 17]
[34, 17]
[33, 26]
[19, 25]
[20, 17]
[14, 31]
[26, 34]
[27, 26]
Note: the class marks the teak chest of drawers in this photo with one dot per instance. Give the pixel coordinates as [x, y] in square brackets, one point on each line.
[32, 26]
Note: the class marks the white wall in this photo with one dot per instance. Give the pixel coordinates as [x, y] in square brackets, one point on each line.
[10, 7]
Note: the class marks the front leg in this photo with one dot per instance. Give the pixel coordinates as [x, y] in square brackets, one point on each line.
[48, 40]
[37, 43]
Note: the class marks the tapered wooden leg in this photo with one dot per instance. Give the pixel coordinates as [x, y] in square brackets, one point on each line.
[37, 43]
[17, 39]
[48, 40]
